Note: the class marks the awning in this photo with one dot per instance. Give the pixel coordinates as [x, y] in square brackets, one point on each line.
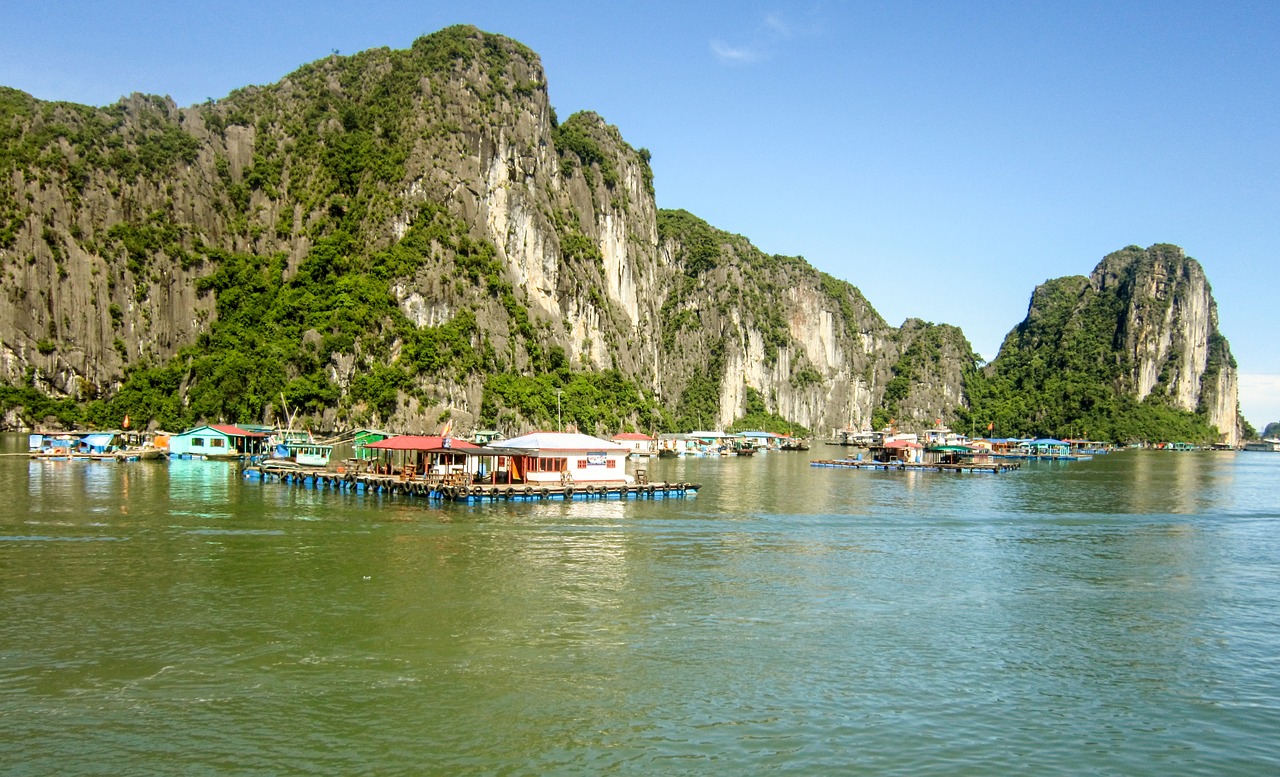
[97, 440]
[435, 444]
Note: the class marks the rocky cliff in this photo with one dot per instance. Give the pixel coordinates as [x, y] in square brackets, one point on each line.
[405, 237]
[1168, 333]
[1132, 351]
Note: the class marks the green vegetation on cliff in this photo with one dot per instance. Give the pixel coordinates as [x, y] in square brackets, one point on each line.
[921, 365]
[398, 236]
[593, 401]
[757, 418]
[1065, 371]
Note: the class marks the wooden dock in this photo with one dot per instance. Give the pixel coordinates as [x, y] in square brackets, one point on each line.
[454, 492]
[898, 466]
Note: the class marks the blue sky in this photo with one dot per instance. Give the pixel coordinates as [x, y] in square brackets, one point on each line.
[944, 157]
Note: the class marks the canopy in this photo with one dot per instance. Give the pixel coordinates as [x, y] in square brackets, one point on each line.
[412, 442]
[97, 440]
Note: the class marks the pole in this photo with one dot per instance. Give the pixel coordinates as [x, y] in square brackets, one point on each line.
[559, 426]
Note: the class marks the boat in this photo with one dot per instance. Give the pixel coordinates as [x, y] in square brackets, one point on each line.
[141, 453]
[298, 451]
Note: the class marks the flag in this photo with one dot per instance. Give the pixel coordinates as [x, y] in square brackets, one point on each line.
[991, 426]
[448, 427]
[126, 421]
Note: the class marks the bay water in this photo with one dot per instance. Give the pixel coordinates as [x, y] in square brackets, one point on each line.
[1114, 616]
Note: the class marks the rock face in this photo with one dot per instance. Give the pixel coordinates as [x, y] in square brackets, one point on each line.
[1168, 332]
[1117, 354]
[376, 237]
[89, 286]
[114, 223]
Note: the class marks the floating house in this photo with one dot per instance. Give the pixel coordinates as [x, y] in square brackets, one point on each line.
[1046, 446]
[941, 435]
[217, 441]
[981, 445]
[99, 444]
[640, 445]
[670, 445]
[564, 457]
[429, 457]
[761, 441]
[952, 454]
[712, 443]
[1089, 447]
[52, 446]
[906, 451]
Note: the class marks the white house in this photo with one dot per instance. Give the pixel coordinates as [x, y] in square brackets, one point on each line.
[639, 444]
[566, 457]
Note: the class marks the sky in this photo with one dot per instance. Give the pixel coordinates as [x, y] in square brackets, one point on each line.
[944, 157]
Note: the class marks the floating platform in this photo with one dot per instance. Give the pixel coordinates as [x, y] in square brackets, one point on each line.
[1043, 456]
[392, 484]
[993, 468]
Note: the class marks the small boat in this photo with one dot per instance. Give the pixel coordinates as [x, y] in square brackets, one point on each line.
[141, 453]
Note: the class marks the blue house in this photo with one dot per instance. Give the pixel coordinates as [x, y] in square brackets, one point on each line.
[217, 441]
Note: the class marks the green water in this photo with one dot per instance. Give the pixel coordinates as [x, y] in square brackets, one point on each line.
[1117, 616]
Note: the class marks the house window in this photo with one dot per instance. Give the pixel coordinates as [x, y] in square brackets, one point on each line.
[547, 465]
[197, 442]
[611, 463]
[217, 443]
[582, 463]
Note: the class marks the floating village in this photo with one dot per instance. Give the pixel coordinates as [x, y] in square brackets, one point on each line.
[564, 465]
[940, 449]
[482, 466]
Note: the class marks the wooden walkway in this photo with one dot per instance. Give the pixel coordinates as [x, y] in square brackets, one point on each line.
[455, 492]
[898, 466]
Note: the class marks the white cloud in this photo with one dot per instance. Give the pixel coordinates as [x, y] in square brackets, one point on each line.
[728, 53]
[1260, 398]
[779, 25]
[771, 33]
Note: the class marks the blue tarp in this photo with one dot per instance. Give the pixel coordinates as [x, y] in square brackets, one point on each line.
[96, 442]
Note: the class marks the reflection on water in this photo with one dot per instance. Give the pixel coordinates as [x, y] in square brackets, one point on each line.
[201, 483]
[1116, 616]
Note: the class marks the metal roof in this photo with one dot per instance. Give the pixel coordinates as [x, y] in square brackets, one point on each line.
[559, 441]
[413, 442]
